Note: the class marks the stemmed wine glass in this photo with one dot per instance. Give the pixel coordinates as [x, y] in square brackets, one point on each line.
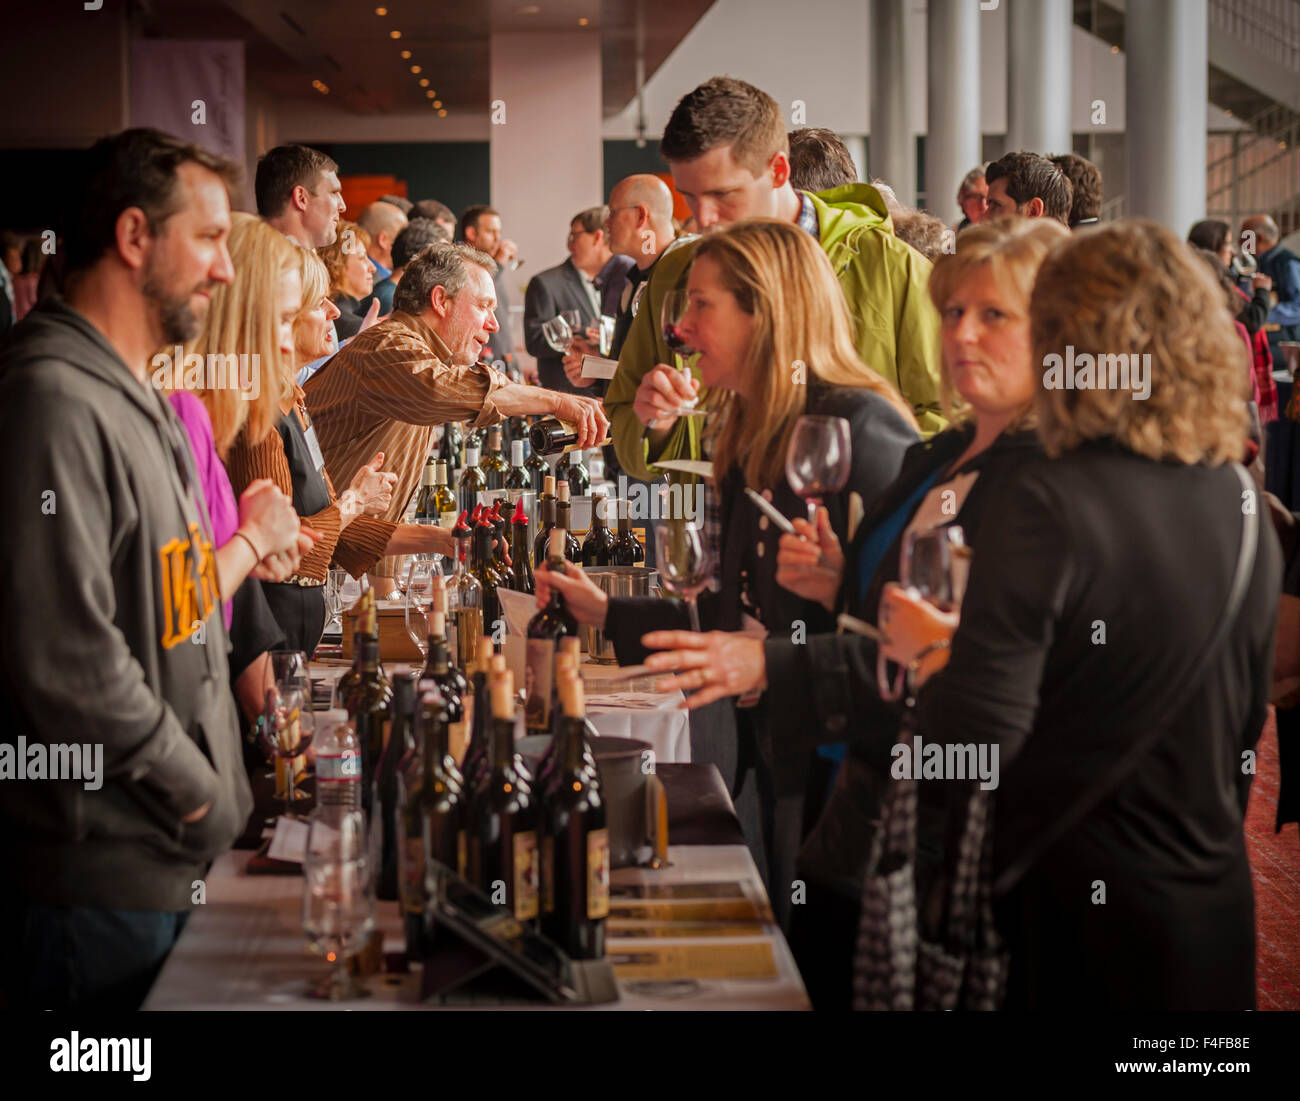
[934, 567]
[675, 305]
[557, 333]
[334, 581]
[338, 901]
[607, 325]
[818, 458]
[288, 727]
[684, 562]
[419, 586]
[573, 318]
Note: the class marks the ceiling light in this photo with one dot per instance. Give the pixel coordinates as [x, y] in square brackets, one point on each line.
[381, 11]
[442, 114]
[583, 21]
[394, 34]
[424, 82]
[406, 55]
[437, 103]
[430, 94]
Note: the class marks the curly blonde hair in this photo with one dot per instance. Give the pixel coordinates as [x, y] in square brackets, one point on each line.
[1012, 249]
[1134, 288]
[350, 238]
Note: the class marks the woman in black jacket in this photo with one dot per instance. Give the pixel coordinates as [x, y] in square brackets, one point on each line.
[772, 331]
[823, 690]
[1107, 572]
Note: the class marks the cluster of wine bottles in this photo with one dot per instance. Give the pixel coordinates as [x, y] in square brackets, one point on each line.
[448, 791]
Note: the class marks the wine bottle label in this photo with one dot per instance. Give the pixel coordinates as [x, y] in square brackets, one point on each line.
[598, 874]
[525, 853]
[540, 661]
[457, 740]
[548, 874]
[448, 519]
[413, 875]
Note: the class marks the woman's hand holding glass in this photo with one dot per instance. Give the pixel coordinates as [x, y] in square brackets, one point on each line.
[811, 564]
[663, 394]
[913, 624]
[587, 602]
[710, 666]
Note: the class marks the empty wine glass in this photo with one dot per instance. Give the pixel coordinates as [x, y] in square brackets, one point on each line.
[573, 318]
[675, 305]
[419, 588]
[818, 458]
[557, 333]
[338, 902]
[685, 565]
[288, 727]
[934, 567]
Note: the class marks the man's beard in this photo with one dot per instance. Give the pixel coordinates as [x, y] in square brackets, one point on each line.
[176, 317]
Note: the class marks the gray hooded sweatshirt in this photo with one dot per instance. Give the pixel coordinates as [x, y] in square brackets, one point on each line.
[112, 643]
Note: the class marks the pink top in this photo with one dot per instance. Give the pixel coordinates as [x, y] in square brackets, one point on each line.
[223, 509]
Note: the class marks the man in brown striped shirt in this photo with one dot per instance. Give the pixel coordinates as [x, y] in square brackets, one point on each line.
[396, 381]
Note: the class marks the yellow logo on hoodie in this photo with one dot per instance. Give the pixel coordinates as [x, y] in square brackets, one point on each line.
[189, 588]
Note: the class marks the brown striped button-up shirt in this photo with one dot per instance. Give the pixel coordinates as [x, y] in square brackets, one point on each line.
[387, 390]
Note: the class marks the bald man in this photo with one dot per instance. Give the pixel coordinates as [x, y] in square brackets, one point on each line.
[640, 225]
[1283, 267]
[383, 221]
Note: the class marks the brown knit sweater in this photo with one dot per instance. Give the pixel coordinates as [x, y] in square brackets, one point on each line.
[356, 548]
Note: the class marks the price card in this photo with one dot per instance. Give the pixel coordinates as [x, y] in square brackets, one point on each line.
[289, 841]
[599, 367]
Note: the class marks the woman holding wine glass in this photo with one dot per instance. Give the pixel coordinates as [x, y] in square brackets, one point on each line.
[825, 689]
[773, 338]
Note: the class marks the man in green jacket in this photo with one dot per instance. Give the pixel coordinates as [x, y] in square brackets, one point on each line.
[727, 149]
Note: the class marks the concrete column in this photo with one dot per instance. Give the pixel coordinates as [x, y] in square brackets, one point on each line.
[893, 145]
[1038, 75]
[1166, 75]
[545, 142]
[952, 143]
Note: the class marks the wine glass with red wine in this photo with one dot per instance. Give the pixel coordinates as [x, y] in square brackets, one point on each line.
[674, 308]
[818, 459]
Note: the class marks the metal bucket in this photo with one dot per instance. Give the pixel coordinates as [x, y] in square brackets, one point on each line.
[622, 783]
[613, 581]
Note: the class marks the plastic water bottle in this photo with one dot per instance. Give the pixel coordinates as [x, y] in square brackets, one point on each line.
[338, 764]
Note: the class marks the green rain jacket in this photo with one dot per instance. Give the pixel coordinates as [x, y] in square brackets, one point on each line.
[885, 284]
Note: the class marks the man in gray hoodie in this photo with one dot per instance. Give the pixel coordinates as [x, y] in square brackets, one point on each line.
[120, 770]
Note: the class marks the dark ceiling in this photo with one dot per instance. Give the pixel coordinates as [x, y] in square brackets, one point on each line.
[349, 48]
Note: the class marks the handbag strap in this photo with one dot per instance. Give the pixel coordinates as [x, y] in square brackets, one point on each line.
[1153, 727]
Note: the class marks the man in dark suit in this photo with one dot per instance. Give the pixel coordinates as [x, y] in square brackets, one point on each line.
[589, 281]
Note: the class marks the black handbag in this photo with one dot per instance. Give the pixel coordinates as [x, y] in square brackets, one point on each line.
[959, 961]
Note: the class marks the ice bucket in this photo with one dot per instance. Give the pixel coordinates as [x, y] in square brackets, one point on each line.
[613, 581]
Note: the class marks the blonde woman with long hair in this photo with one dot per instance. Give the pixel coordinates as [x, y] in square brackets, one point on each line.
[258, 538]
[775, 342]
